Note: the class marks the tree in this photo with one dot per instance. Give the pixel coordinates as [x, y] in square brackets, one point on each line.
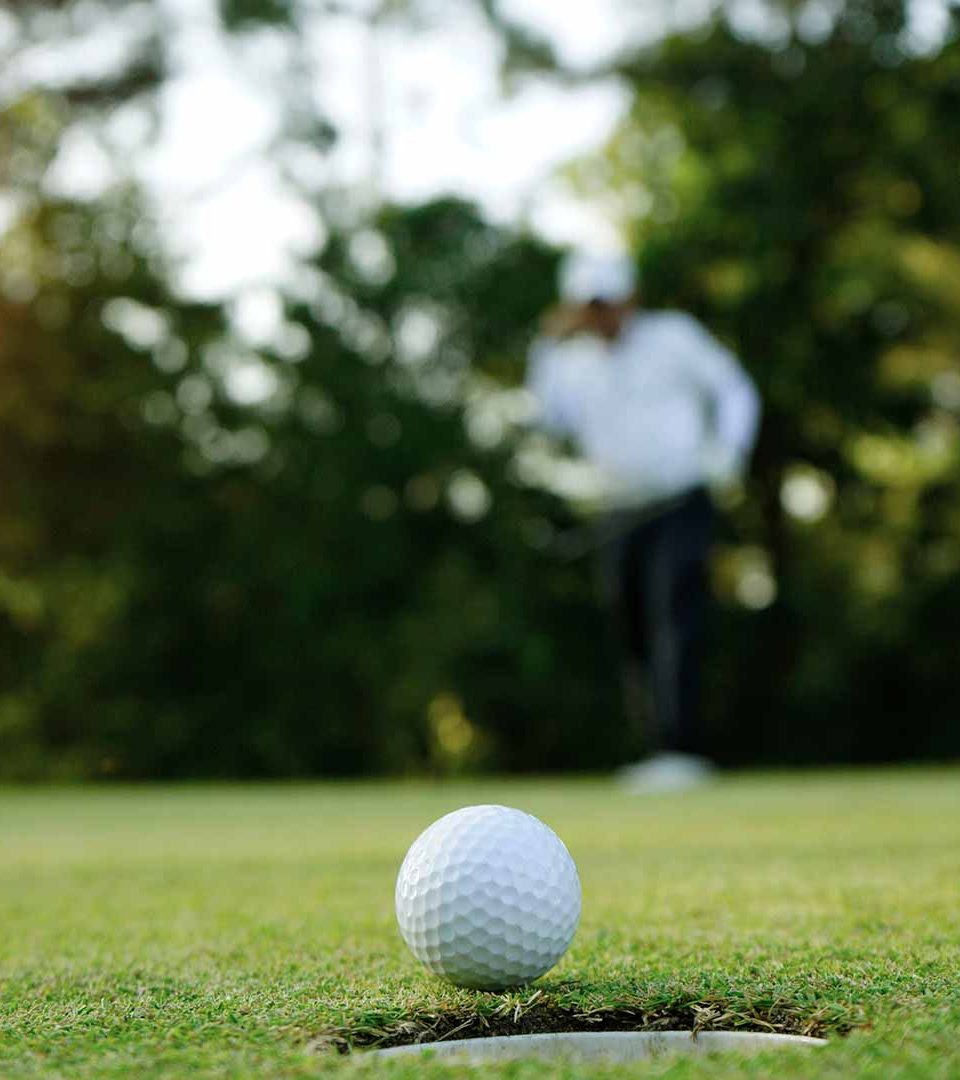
[318, 552]
[797, 196]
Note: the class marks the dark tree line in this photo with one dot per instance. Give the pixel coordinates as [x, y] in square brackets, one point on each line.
[350, 570]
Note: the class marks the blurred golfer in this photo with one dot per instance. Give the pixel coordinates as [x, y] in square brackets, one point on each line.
[666, 415]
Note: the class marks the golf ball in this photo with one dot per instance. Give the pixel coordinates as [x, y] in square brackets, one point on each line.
[488, 897]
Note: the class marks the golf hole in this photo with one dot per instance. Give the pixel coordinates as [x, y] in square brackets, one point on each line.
[607, 1046]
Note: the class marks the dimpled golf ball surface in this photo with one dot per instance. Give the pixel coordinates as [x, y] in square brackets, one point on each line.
[488, 897]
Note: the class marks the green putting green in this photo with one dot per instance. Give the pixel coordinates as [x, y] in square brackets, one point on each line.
[248, 930]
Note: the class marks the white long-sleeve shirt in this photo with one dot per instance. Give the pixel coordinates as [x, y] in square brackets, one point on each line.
[665, 410]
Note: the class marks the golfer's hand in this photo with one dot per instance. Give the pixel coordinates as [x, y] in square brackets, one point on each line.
[561, 321]
[724, 469]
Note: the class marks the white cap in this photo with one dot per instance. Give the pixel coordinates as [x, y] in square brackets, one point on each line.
[587, 276]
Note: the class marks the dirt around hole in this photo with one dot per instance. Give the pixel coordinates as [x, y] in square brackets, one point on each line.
[537, 1014]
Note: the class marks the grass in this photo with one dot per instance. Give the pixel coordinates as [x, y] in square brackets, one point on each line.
[248, 931]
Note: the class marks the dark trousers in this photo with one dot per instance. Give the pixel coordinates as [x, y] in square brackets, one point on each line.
[655, 577]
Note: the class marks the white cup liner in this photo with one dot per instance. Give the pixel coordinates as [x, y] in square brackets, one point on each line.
[611, 1046]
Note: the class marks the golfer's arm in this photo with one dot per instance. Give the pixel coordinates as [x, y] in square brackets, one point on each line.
[734, 398]
[550, 388]
[737, 414]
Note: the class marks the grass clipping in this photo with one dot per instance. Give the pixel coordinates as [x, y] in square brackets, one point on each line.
[540, 1012]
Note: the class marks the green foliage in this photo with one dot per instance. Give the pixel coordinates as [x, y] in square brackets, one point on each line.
[193, 586]
[243, 14]
[342, 570]
[802, 201]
